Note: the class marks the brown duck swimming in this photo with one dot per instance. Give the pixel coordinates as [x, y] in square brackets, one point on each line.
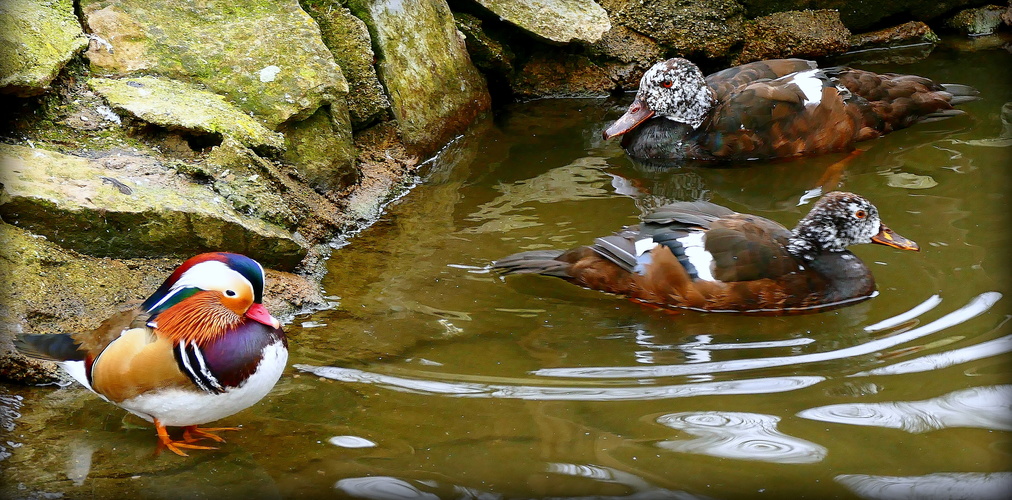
[774, 108]
[698, 255]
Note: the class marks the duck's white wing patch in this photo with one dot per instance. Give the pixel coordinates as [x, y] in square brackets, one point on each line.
[810, 85]
[696, 253]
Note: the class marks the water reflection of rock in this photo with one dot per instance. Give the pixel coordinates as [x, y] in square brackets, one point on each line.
[738, 435]
[980, 407]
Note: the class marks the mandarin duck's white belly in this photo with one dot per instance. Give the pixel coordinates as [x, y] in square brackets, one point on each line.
[179, 407]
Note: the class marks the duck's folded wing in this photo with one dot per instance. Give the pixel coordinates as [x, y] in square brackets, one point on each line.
[746, 248]
[727, 81]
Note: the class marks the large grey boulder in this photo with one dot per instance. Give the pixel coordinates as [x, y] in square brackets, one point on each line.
[434, 90]
[559, 21]
[37, 38]
[134, 210]
[265, 57]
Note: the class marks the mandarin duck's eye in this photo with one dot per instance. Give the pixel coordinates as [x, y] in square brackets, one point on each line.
[860, 214]
[667, 83]
[230, 293]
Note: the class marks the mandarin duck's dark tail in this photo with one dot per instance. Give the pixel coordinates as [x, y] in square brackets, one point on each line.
[52, 347]
[534, 262]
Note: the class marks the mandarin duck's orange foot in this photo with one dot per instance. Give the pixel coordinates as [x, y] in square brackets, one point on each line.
[193, 433]
[202, 347]
[698, 255]
[173, 445]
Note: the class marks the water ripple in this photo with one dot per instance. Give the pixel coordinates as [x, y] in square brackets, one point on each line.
[982, 350]
[739, 435]
[381, 488]
[981, 407]
[943, 485]
[977, 306]
[920, 309]
[562, 393]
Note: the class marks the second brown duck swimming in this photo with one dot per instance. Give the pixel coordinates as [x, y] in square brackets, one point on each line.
[698, 255]
[774, 108]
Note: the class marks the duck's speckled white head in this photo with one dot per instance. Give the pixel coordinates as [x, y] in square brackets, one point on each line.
[677, 90]
[840, 219]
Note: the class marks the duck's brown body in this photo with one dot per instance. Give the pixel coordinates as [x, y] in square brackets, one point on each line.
[750, 266]
[775, 108]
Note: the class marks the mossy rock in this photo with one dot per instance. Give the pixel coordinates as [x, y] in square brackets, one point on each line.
[435, 91]
[555, 21]
[36, 40]
[177, 105]
[138, 212]
[348, 39]
[266, 57]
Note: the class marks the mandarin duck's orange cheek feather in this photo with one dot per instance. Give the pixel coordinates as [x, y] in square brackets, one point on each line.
[772, 109]
[698, 255]
[202, 347]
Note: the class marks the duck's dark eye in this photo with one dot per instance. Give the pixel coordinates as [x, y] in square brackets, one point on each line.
[230, 293]
[667, 83]
[860, 214]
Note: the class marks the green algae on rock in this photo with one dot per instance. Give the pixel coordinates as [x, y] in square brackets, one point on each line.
[266, 57]
[348, 39]
[322, 149]
[177, 105]
[434, 89]
[141, 212]
[36, 40]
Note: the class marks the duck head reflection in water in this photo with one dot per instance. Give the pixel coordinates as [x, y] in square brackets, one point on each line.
[702, 256]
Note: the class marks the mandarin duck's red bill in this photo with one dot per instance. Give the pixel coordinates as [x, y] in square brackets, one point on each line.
[772, 109]
[199, 349]
[697, 255]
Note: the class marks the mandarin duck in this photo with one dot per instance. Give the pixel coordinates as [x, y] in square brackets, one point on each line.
[702, 256]
[774, 108]
[199, 349]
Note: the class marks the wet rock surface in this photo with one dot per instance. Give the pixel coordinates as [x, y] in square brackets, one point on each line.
[36, 40]
[796, 33]
[435, 91]
[558, 21]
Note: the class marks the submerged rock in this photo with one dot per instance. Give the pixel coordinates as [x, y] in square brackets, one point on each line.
[176, 105]
[348, 39]
[265, 57]
[434, 89]
[558, 21]
[140, 212]
[36, 40]
[794, 34]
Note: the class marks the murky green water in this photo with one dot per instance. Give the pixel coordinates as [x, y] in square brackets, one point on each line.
[431, 377]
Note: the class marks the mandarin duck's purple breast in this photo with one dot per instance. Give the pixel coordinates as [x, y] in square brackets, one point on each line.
[235, 356]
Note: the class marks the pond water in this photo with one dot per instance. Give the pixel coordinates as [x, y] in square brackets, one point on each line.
[431, 377]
